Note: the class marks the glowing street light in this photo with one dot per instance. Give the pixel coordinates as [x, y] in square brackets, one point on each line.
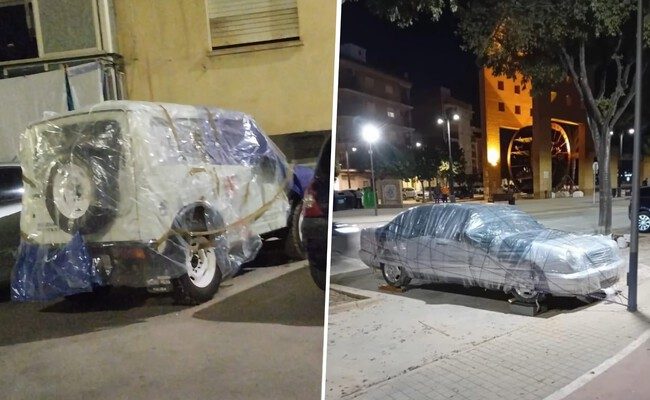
[370, 134]
[418, 144]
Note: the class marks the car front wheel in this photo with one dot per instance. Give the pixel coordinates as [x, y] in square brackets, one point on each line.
[394, 275]
[527, 295]
[644, 221]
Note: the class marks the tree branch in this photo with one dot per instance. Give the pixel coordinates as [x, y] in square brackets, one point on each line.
[603, 84]
[628, 98]
[584, 84]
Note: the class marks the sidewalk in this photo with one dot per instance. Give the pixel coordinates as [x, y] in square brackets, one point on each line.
[626, 380]
[513, 357]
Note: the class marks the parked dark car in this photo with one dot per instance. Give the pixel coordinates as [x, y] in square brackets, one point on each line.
[491, 246]
[11, 193]
[644, 210]
[290, 235]
[344, 200]
[315, 211]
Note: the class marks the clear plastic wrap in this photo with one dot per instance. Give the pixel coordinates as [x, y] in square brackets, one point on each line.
[158, 191]
[491, 246]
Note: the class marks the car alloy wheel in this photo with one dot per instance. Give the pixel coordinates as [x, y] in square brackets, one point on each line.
[644, 222]
[526, 295]
[201, 264]
[393, 272]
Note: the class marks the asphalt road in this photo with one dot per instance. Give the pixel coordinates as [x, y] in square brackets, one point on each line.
[261, 337]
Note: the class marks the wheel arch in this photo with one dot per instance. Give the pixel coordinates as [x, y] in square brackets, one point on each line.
[197, 217]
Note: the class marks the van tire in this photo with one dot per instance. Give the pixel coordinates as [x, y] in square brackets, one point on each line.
[189, 288]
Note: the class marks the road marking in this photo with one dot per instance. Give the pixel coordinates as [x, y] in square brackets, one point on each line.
[591, 374]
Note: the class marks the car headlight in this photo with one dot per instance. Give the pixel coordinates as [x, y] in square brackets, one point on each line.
[571, 258]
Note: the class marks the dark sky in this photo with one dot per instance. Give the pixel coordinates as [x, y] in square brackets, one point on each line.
[428, 51]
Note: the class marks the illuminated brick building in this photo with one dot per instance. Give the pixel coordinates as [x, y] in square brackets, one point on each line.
[562, 151]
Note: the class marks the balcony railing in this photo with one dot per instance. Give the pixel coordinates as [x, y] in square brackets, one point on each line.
[112, 65]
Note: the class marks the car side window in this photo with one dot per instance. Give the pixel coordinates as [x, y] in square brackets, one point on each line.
[415, 222]
[451, 223]
[395, 228]
[191, 142]
[164, 148]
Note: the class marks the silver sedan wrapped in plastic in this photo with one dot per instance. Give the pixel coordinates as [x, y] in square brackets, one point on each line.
[171, 197]
[490, 246]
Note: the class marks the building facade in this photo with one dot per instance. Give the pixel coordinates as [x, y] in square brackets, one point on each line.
[369, 95]
[535, 144]
[273, 59]
[440, 103]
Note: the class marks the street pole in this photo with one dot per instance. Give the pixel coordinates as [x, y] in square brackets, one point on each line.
[372, 177]
[636, 170]
[347, 167]
[620, 163]
[452, 198]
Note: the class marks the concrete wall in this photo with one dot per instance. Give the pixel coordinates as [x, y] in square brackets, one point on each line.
[168, 58]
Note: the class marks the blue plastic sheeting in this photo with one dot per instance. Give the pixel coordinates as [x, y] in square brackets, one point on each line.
[45, 272]
[302, 176]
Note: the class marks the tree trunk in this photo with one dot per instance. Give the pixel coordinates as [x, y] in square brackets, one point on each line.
[604, 184]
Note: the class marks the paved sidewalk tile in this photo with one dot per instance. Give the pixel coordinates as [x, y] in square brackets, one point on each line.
[529, 363]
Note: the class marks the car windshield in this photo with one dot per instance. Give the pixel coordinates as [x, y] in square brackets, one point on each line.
[488, 222]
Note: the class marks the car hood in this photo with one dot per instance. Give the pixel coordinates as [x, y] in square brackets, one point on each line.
[556, 251]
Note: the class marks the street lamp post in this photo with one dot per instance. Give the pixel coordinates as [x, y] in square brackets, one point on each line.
[370, 134]
[347, 164]
[441, 121]
[632, 275]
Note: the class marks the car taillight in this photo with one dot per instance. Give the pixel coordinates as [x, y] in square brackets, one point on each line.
[310, 207]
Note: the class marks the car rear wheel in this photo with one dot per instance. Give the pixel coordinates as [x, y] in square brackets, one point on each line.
[644, 221]
[394, 275]
[203, 277]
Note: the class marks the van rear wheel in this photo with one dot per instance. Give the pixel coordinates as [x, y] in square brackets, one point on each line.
[203, 275]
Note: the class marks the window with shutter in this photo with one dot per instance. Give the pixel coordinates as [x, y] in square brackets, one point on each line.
[244, 22]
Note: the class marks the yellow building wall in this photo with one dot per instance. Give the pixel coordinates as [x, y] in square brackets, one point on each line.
[166, 48]
[493, 119]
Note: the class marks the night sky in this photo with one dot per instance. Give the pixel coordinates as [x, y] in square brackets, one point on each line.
[428, 51]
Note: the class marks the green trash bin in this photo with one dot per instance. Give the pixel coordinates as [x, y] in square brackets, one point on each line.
[368, 198]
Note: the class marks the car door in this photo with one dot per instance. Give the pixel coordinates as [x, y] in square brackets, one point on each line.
[449, 250]
[417, 242]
